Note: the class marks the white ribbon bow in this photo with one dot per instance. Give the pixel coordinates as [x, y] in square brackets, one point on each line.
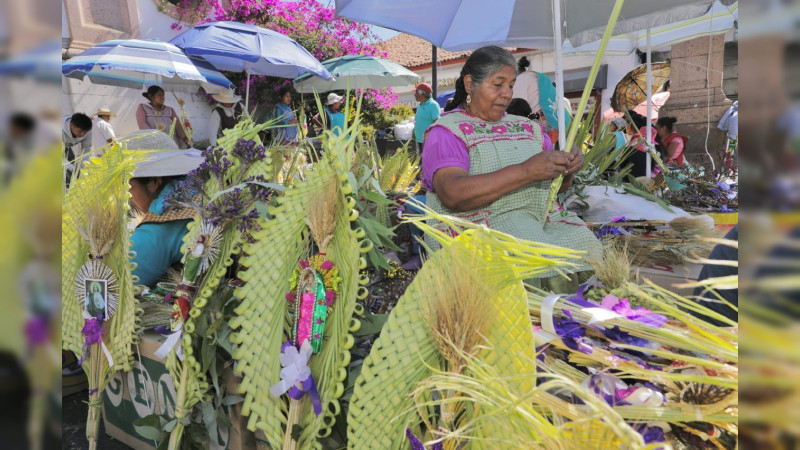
[173, 341]
[295, 368]
[548, 332]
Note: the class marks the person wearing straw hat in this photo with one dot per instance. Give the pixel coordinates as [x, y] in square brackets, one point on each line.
[224, 115]
[103, 134]
[157, 238]
[335, 120]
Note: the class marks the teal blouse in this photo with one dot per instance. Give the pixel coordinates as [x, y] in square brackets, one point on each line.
[157, 246]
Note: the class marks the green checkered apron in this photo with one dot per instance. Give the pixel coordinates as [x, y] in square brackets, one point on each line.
[493, 146]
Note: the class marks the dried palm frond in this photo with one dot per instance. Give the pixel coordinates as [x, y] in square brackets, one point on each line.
[100, 228]
[652, 250]
[155, 314]
[613, 266]
[323, 213]
[692, 226]
[534, 418]
[455, 308]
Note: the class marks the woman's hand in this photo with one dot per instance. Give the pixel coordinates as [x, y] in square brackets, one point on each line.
[546, 165]
[575, 161]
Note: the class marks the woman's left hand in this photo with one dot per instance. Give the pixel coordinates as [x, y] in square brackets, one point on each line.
[575, 161]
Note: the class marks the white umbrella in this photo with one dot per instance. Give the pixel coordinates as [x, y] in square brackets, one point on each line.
[719, 19]
[469, 24]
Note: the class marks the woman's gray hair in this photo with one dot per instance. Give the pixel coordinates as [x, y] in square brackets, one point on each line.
[481, 64]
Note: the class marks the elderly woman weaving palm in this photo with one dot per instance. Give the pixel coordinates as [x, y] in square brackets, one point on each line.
[491, 168]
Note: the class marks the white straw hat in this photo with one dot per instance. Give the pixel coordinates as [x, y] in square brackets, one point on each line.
[333, 98]
[105, 112]
[167, 160]
[226, 97]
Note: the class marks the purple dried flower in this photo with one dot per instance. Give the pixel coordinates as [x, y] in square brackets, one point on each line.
[257, 191]
[651, 434]
[247, 152]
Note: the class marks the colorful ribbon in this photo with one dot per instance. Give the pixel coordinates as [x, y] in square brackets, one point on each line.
[93, 332]
[296, 373]
[416, 444]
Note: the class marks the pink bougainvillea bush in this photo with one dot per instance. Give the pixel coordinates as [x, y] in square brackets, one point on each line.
[313, 25]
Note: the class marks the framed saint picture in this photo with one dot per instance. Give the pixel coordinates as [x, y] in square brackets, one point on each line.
[96, 301]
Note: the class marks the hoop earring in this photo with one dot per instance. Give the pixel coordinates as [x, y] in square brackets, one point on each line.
[469, 100]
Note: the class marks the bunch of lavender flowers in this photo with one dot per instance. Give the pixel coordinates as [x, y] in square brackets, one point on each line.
[236, 203]
[248, 153]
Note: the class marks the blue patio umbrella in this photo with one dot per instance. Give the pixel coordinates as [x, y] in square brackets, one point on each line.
[443, 98]
[40, 63]
[136, 63]
[236, 47]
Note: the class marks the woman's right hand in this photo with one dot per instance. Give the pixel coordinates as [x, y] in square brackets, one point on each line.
[547, 165]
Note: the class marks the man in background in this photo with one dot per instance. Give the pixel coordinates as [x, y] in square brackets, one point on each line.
[76, 134]
[102, 132]
[427, 112]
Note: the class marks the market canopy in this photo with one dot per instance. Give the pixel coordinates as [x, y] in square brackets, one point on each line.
[136, 63]
[469, 24]
[719, 19]
[357, 72]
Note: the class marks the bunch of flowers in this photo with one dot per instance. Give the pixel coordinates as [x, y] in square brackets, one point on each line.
[237, 193]
[310, 23]
[662, 367]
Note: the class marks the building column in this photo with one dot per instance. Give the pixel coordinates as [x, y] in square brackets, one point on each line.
[696, 96]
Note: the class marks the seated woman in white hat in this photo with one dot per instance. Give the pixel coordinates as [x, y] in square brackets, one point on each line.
[224, 115]
[158, 237]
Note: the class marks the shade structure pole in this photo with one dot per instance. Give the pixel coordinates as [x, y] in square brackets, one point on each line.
[434, 74]
[247, 94]
[562, 132]
[649, 135]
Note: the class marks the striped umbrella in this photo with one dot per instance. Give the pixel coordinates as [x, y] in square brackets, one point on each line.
[136, 63]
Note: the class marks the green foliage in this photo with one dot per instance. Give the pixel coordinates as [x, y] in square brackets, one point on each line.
[382, 119]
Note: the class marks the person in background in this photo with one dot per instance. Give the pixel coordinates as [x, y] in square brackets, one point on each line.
[283, 111]
[103, 134]
[427, 112]
[527, 85]
[520, 107]
[334, 117]
[224, 115]
[674, 143]
[76, 134]
[158, 237]
[636, 130]
[617, 126]
[494, 169]
[155, 115]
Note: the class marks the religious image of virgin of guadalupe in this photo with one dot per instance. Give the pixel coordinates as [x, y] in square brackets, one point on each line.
[95, 303]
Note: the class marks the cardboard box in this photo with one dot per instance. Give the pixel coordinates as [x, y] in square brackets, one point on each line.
[669, 275]
[147, 389]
